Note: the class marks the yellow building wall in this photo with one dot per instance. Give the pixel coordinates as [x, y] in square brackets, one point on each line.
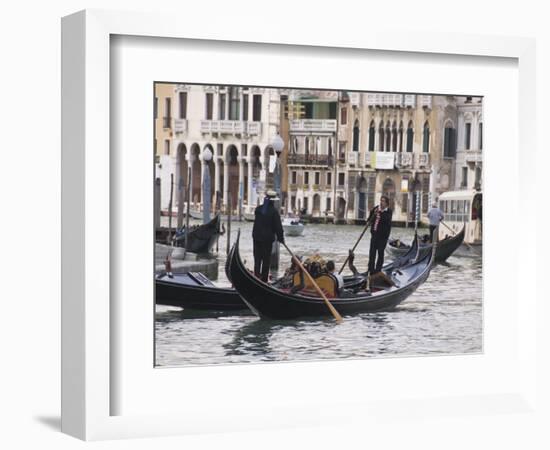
[162, 133]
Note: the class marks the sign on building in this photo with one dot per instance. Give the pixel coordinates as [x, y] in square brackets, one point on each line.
[382, 160]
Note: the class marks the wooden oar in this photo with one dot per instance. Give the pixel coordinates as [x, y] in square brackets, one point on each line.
[356, 244]
[454, 232]
[332, 309]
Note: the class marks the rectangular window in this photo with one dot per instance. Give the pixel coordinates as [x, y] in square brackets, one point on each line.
[317, 178]
[156, 107]
[221, 106]
[257, 108]
[293, 202]
[333, 111]
[328, 204]
[410, 139]
[425, 199]
[344, 116]
[464, 177]
[449, 143]
[167, 112]
[329, 178]
[341, 179]
[480, 136]
[183, 105]
[245, 107]
[467, 136]
[235, 104]
[293, 177]
[209, 106]
[306, 177]
[166, 147]
[306, 204]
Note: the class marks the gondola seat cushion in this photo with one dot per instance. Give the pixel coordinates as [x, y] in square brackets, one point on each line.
[326, 282]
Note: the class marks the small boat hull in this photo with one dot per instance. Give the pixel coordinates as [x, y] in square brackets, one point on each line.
[445, 248]
[201, 239]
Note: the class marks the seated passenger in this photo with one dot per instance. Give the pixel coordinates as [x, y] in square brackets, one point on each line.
[331, 268]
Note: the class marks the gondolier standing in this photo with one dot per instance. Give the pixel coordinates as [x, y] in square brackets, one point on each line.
[435, 215]
[380, 219]
[267, 227]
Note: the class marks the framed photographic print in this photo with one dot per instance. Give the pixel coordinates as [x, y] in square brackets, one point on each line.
[213, 187]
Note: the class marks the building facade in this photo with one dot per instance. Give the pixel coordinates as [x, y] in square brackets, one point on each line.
[469, 160]
[342, 150]
[237, 124]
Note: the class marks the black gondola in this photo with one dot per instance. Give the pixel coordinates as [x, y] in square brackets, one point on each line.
[269, 302]
[195, 291]
[445, 247]
[201, 238]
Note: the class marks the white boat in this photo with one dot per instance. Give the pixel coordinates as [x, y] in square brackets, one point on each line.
[462, 208]
[292, 226]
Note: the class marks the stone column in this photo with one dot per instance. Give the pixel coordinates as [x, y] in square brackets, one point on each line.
[240, 200]
[216, 176]
[225, 181]
[249, 187]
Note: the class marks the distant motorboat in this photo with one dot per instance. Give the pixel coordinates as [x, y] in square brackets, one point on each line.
[292, 226]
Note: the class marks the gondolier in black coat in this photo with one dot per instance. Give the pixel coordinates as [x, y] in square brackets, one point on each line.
[380, 219]
[267, 227]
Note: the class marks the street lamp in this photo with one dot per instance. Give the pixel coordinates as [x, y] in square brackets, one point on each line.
[206, 194]
[277, 144]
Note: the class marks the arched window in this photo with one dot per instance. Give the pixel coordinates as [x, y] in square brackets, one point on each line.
[410, 137]
[401, 136]
[388, 137]
[480, 136]
[449, 141]
[394, 137]
[426, 138]
[307, 146]
[355, 147]
[372, 135]
[381, 136]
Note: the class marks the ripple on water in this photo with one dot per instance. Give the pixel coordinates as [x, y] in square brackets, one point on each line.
[444, 316]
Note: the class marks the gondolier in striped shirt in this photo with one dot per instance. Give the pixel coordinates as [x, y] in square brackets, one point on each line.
[380, 219]
[267, 227]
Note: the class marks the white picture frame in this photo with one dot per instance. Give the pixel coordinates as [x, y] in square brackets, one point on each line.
[88, 324]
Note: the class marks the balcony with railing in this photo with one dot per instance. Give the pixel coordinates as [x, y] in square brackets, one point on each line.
[353, 158]
[254, 128]
[404, 160]
[473, 156]
[392, 100]
[367, 159]
[355, 98]
[409, 101]
[426, 101]
[310, 160]
[180, 126]
[231, 127]
[319, 125]
[423, 160]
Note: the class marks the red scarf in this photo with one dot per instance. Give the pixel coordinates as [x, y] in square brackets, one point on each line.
[377, 219]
